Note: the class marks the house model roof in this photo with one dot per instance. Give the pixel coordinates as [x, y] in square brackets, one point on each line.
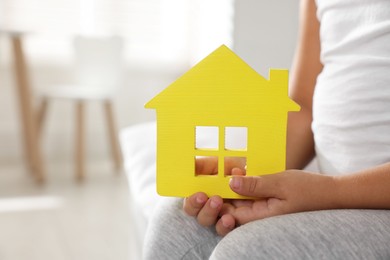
[224, 79]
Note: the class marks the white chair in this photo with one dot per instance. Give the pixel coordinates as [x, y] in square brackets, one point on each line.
[98, 64]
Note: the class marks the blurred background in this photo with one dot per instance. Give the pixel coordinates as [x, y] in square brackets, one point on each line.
[63, 215]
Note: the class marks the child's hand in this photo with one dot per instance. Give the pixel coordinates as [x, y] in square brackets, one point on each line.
[282, 193]
[208, 210]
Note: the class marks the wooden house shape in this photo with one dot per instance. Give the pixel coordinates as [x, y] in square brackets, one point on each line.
[219, 93]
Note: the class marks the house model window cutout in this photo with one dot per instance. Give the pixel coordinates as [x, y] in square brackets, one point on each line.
[198, 114]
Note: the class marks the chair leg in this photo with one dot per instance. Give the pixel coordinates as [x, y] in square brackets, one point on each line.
[113, 135]
[80, 142]
[41, 115]
[32, 146]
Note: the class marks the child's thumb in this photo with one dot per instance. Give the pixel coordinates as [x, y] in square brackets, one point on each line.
[255, 186]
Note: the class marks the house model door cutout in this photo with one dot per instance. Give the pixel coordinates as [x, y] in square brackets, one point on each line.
[198, 114]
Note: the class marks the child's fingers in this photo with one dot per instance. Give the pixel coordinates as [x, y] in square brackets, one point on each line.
[238, 171]
[206, 166]
[193, 204]
[232, 163]
[208, 215]
[225, 224]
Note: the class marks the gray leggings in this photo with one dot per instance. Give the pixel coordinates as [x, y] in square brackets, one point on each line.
[331, 234]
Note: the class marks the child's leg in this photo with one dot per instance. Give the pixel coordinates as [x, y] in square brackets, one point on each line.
[332, 234]
[173, 235]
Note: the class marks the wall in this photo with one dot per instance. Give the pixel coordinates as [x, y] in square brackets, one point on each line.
[265, 32]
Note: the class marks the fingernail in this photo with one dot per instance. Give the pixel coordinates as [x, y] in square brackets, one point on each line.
[235, 183]
[200, 200]
[226, 224]
[214, 204]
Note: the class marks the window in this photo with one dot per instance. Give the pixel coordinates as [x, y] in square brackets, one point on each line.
[163, 31]
[206, 137]
[236, 138]
[226, 146]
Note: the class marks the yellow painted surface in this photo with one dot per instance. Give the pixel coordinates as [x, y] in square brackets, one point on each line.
[220, 91]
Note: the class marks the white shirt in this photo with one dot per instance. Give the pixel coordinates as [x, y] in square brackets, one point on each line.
[351, 105]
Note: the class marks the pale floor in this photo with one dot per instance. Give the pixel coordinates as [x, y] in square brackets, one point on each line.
[63, 219]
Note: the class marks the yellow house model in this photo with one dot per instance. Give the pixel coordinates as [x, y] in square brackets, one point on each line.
[219, 94]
